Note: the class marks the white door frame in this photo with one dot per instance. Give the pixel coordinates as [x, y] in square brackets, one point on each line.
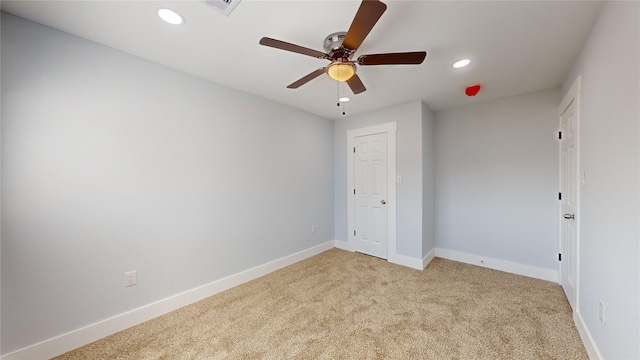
[572, 95]
[390, 130]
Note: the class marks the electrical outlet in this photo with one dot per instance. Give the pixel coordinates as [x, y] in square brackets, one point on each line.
[601, 312]
[313, 229]
[130, 278]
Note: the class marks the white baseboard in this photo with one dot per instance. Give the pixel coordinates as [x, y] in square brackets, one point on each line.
[407, 261]
[343, 245]
[427, 258]
[395, 258]
[418, 264]
[585, 335]
[88, 334]
[502, 265]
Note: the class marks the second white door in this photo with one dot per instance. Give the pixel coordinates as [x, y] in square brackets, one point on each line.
[569, 200]
[370, 191]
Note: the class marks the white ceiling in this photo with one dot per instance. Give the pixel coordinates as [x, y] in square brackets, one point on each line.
[516, 47]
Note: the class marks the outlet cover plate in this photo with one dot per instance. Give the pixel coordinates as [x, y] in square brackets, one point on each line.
[130, 278]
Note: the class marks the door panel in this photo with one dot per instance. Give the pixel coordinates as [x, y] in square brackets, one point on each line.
[370, 193]
[569, 201]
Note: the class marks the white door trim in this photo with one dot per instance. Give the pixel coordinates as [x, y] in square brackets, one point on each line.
[390, 130]
[572, 95]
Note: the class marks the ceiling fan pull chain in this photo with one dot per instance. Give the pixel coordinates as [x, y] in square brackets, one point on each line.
[344, 106]
[344, 109]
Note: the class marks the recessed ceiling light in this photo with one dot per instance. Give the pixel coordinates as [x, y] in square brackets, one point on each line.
[344, 99]
[170, 16]
[461, 63]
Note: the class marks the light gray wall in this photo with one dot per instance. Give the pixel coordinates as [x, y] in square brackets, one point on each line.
[111, 163]
[428, 180]
[610, 157]
[409, 165]
[497, 179]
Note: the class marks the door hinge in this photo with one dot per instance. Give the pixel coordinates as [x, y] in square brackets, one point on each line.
[354, 191]
[354, 233]
[354, 150]
[559, 257]
[560, 135]
[560, 196]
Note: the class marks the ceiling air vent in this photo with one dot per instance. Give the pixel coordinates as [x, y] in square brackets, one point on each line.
[223, 6]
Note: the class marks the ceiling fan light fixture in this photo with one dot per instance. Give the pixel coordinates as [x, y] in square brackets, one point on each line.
[171, 16]
[341, 71]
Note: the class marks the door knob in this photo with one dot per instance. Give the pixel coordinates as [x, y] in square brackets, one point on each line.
[382, 202]
[569, 216]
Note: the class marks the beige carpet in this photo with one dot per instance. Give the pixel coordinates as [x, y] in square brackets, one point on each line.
[342, 305]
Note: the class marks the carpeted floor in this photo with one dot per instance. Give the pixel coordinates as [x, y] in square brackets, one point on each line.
[342, 305]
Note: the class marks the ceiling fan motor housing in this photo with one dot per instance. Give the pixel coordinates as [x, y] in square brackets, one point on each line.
[334, 41]
[333, 47]
[341, 67]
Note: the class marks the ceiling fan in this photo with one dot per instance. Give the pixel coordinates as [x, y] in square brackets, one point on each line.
[341, 46]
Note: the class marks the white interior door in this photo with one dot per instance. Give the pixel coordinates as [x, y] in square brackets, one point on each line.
[370, 192]
[569, 197]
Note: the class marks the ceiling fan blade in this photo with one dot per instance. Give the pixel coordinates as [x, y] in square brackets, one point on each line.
[366, 17]
[283, 45]
[393, 58]
[307, 78]
[356, 84]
